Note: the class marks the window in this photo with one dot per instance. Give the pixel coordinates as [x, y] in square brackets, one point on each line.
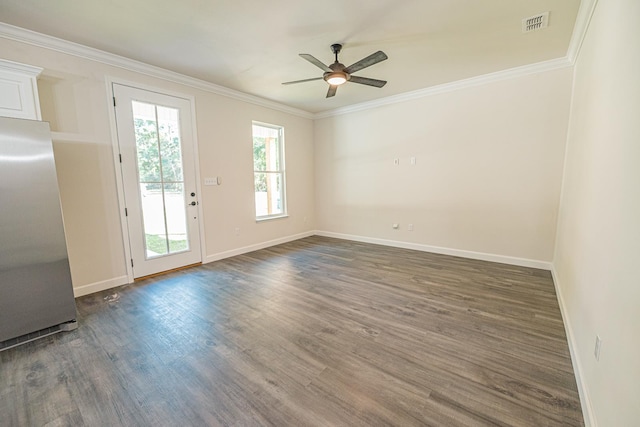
[268, 170]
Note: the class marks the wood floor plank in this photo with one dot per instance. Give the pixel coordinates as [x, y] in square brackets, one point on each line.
[314, 332]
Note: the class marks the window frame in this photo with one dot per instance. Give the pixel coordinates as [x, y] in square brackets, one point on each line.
[281, 171]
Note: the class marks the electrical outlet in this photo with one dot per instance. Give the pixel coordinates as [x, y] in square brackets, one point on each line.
[596, 350]
[396, 162]
[237, 231]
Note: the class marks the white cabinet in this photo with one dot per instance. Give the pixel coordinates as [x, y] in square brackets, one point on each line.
[19, 90]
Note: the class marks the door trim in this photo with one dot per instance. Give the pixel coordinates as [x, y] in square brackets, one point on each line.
[110, 81]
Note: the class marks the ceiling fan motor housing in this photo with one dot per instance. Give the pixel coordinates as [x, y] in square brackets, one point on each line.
[337, 71]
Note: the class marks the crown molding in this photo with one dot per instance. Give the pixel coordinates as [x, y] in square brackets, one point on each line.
[587, 7]
[17, 67]
[585, 12]
[510, 73]
[53, 43]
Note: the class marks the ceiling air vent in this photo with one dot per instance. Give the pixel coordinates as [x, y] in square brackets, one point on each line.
[534, 23]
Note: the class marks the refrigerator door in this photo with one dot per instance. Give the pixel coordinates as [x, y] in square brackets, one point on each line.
[35, 280]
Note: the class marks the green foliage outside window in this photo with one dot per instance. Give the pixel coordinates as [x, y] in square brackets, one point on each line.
[260, 163]
[155, 166]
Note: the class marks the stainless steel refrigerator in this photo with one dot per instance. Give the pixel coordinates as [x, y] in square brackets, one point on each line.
[36, 294]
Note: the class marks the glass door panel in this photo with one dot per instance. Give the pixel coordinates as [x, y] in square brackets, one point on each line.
[160, 177]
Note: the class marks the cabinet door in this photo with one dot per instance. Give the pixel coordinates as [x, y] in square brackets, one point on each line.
[19, 90]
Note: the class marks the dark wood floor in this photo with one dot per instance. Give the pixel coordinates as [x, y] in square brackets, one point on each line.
[316, 332]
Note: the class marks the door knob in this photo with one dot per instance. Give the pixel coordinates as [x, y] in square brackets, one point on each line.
[193, 194]
[192, 203]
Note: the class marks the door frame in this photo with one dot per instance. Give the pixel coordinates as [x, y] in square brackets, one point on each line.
[124, 226]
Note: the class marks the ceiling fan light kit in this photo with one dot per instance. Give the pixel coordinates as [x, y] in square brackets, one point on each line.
[336, 78]
[337, 74]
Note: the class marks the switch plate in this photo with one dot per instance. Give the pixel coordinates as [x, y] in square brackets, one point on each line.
[395, 226]
[210, 181]
[396, 162]
[410, 227]
[413, 161]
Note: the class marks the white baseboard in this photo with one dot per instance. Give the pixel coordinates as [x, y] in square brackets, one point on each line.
[585, 400]
[243, 250]
[99, 286]
[522, 262]
[123, 280]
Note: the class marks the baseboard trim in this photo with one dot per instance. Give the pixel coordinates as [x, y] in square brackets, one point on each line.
[585, 400]
[99, 286]
[503, 259]
[123, 280]
[245, 249]
[522, 262]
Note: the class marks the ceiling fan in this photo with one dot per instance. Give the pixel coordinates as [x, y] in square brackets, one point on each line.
[337, 74]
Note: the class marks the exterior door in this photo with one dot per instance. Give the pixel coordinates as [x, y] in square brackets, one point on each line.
[156, 143]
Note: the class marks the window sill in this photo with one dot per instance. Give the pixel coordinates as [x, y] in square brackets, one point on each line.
[267, 218]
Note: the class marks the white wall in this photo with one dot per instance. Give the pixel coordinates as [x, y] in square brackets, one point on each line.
[487, 176]
[598, 245]
[75, 100]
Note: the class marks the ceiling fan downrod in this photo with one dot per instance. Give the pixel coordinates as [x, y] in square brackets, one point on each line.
[336, 48]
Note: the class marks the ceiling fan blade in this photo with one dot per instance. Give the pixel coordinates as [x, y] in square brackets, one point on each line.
[332, 90]
[374, 58]
[302, 81]
[367, 81]
[315, 61]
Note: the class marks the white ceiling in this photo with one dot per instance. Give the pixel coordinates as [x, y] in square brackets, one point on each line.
[252, 45]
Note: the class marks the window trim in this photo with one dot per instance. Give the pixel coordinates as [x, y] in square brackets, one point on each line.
[282, 172]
